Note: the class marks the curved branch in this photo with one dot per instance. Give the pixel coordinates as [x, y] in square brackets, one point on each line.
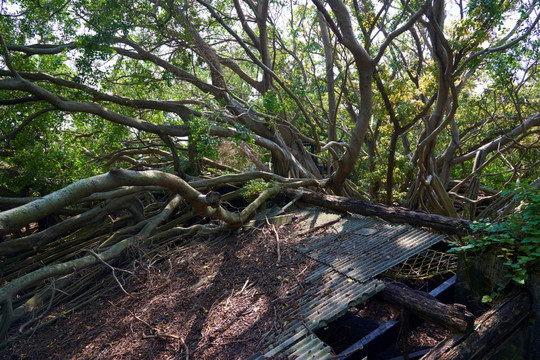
[26, 121]
[328, 19]
[91, 108]
[7, 58]
[494, 49]
[531, 122]
[398, 32]
[234, 179]
[245, 26]
[350, 40]
[266, 70]
[175, 106]
[13, 219]
[257, 85]
[181, 74]
[41, 49]
[446, 121]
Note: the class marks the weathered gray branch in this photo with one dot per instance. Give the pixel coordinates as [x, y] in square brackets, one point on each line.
[14, 219]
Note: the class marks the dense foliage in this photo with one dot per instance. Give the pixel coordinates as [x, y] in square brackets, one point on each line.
[516, 240]
[284, 81]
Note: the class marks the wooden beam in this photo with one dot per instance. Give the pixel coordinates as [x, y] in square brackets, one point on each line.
[389, 331]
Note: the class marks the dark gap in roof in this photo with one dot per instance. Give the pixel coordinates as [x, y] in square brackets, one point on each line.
[375, 322]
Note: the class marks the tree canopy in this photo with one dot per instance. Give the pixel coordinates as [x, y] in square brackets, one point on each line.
[434, 105]
[302, 89]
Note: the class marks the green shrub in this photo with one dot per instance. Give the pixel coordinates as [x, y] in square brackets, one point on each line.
[516, 239]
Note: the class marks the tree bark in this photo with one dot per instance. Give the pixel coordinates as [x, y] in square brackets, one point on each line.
[366, 68]
[490, 330]
[14, 219]
[39, 239]
[392, 214]
[495, 145]
[454, 317]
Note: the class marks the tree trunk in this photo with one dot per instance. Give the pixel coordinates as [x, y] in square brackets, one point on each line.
[490, 330]
[454, 317]
[392, 214]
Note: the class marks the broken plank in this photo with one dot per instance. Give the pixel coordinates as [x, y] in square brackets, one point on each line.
[490, 331]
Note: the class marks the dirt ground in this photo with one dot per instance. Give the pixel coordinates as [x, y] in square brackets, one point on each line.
[218, 302]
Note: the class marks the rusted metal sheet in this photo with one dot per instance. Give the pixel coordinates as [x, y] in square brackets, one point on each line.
[349, 256]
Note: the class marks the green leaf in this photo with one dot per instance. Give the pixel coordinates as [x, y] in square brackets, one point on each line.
[487, 299]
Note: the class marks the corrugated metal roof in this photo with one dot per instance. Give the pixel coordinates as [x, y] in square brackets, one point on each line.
[348, 258]
[367, 247]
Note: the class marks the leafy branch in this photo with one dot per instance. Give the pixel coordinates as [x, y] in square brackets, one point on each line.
[516, 239]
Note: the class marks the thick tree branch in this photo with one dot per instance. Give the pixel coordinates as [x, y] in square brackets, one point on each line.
[91, 108]
[14, 219]
[41, 49]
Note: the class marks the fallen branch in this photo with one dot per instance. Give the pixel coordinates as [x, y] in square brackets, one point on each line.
[454, 317]
[37, 240]
[9, 291]
[161, 334]
[14, 219]
[392, 214]
[491, 330]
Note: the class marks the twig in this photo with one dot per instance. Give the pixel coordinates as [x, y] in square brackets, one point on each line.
[277, 240]
[186, 349]
[53, 290]
[161, 334]
[291, 202]
[313, 229]
[113, 269]
[229, 298]
[244, 287]
[310, 332]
